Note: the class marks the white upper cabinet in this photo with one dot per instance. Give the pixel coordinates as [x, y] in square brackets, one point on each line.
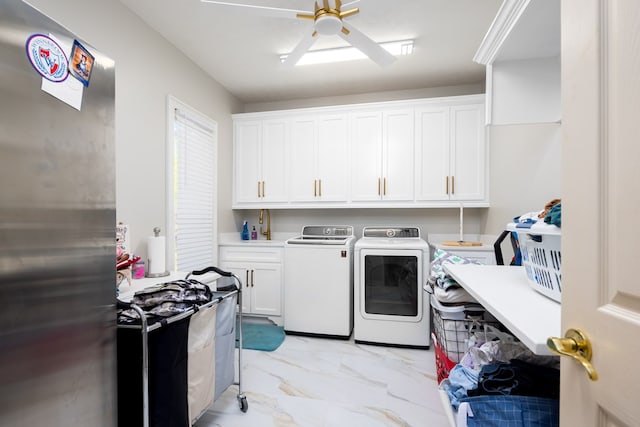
[467, 150]
[403, 154]
[522, 53]
[319, 158]
[383, 152]
[260, 151]
[433, 157]
[451, 155]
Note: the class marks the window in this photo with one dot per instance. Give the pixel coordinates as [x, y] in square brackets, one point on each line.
[192, 140]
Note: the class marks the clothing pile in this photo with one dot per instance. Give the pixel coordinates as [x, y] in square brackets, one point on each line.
[499, 382]
[167, 299]
[443, 287]
[551, 214]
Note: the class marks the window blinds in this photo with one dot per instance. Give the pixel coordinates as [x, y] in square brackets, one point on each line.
[194, 191]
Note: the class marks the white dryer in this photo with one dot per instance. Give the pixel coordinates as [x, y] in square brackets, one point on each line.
[390, 306]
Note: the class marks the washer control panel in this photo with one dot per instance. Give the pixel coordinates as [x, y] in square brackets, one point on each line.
[392, 232]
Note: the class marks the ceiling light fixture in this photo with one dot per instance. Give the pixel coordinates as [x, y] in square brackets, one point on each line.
[349, 53]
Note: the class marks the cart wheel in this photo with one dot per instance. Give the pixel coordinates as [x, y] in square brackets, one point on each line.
[244, 405]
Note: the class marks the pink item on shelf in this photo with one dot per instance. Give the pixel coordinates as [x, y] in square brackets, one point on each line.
[138, 270]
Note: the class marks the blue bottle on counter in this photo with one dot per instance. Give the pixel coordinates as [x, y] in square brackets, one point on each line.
[245, 231]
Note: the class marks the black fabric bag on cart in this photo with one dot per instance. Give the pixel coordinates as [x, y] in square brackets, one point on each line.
[168, 405]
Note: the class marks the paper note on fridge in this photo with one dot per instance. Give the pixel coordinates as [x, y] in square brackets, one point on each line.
[70, 90]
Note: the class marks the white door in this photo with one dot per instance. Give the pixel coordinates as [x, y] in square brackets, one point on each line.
[398, 155]
[601, 202]
[266, 289]
[432, 160]
[274, 160]
[248, 135]
[303, 182]
[333, 158]
[467, 152]
[366, 156]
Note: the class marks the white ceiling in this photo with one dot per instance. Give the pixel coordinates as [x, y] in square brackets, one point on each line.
[240, 48]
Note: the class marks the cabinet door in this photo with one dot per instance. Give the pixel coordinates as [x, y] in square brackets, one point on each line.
[432, 159]
[303, 182]
[398, 155]
[247, 161]
[366, 156]
[242, 272]
[274, 164]
[333, 158]
[467, 153]
[266, 289]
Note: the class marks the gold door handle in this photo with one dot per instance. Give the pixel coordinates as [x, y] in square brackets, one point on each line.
[446, 182]
[252, 278]
[315, 188]
[378, 186]
[453, 185]
[385, 187]
[575, 344]
[262, 188]
[320, 187]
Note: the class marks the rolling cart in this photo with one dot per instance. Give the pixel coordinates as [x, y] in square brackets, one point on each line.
[164, 347]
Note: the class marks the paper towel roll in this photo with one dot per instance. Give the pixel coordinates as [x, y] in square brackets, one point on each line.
[155, 255]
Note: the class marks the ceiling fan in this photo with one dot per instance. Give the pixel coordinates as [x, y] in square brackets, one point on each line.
[328, 19]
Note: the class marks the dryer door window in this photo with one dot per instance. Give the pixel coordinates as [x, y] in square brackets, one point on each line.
[391, 285]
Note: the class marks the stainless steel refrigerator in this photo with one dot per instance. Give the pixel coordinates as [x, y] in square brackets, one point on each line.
[57, 227]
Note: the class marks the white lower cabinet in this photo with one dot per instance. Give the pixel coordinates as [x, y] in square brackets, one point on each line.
[260, 271]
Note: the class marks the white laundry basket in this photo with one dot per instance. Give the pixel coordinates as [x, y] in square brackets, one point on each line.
[540, 247]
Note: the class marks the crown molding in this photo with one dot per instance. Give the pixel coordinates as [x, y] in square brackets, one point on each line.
[502, 25]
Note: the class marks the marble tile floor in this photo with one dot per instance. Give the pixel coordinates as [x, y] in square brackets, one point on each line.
[316, 382]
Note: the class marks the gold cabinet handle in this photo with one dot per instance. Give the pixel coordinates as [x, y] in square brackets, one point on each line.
[385, 187]
[378, 186]
[258, 188]
[576, 345]
[262, 188]
[453, 184]
[315, 188]
[446, 182]
[246, 282]
[319, 187]
[252, 278]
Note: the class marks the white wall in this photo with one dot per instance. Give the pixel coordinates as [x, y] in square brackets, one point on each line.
[525, 171]
[431, 92]
[148, 69]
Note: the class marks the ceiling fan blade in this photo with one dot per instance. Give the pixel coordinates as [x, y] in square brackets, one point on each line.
[275, 12]
[302, 47]
[367, 46]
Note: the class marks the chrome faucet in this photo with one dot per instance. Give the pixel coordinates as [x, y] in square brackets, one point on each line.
[260, 221]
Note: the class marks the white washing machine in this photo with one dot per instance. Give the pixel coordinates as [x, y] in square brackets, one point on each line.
[390, 306]
[318, 282]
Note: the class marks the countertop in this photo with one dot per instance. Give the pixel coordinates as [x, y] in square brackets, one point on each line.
[233, 239]
[487, 241]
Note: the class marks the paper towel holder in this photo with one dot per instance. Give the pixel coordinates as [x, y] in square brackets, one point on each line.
[156, 233]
